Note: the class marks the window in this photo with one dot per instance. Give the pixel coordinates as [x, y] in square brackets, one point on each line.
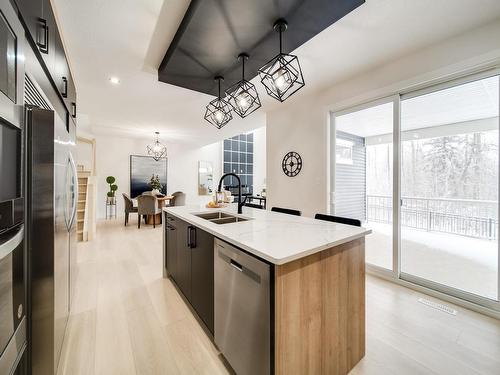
[238, 158]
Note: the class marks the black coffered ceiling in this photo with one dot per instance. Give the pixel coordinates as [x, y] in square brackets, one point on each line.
[213, 33]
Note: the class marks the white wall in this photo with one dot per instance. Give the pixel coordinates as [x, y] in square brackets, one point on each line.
[84, 154]
[183, 169]
[259, 159]
[113, 159]
[301, 130]
[302, 123]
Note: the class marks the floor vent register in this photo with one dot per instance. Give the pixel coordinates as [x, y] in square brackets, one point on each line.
[438, 306]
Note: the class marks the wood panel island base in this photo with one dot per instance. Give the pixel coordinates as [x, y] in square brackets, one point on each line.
[278, 294]
[320, 311]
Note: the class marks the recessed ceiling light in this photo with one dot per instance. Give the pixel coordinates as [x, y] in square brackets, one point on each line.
[114, 80]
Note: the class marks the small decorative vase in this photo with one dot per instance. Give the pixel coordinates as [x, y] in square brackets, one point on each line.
[155, 191]
[111, 200]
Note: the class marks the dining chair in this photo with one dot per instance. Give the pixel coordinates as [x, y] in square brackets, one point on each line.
[147, 205]
[288, 211]
[338, 219]
[179, 199]
[129, 207]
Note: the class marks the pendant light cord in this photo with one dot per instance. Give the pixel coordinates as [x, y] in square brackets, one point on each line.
[219, 86]
[281, 41]
[243, 70]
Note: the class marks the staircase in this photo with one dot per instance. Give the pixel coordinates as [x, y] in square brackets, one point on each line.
[83, 177]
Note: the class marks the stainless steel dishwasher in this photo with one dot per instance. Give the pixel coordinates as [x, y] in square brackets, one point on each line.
[242, 310]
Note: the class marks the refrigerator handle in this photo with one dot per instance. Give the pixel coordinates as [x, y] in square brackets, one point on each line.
[75, 191]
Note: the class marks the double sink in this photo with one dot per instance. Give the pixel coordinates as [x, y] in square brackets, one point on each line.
[221, 217]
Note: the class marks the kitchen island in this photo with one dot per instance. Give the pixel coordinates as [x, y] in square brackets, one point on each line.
[279, 293]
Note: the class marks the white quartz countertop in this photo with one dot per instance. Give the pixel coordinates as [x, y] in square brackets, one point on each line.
[275, 237]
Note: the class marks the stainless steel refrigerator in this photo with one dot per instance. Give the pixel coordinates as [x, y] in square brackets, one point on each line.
[52, 201]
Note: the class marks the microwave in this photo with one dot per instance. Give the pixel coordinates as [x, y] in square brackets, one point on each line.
[11, 202]
[12, 42]
[8, 60]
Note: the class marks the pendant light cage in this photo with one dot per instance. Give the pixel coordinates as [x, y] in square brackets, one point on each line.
[282, 76]
[157, 149]
[218, 111]
[243, 96]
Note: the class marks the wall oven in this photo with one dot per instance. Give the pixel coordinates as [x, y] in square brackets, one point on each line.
[12, 239]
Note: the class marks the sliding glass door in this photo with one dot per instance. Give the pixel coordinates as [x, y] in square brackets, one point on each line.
[449, 187]
[363, 175]
[421, 169]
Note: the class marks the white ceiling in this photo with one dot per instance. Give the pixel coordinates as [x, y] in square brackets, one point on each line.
[128, 38]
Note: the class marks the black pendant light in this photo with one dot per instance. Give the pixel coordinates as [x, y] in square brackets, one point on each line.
[218, 111]
[243, 96]
[282, 76]
[157, 149]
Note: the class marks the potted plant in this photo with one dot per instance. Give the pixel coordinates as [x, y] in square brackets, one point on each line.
[155, 184]
[110, 180]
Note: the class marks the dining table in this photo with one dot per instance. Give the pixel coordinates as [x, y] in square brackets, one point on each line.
[162, 201]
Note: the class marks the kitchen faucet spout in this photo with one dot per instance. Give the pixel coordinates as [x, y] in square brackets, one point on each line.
[241, 202]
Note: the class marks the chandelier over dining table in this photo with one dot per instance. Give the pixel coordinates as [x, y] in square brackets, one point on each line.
[157, 150]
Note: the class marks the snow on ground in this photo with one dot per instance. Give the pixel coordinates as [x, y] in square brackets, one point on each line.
[464, 263]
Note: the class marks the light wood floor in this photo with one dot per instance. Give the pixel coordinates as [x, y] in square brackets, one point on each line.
[127, 319]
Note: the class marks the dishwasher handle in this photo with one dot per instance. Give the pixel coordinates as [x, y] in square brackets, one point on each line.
[239, 267]
[236, 265]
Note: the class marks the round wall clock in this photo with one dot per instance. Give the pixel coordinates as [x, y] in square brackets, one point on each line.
[292, 164]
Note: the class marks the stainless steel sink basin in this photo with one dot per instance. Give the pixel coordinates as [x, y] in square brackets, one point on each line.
[227, 220]
[221, 217]
[213, 215]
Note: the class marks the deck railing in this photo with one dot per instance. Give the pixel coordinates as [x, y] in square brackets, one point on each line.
[467, 217]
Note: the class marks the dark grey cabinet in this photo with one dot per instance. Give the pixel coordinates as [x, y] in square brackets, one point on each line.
[31, 12]
[190, 263]
[47, 39]
[41, 25]
[202, 276]
[171, 244]
[183, 278]
[62, 75]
